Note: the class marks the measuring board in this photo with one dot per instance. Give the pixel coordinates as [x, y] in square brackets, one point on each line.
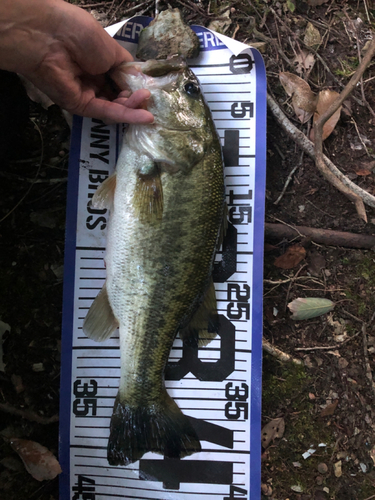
[219, 386]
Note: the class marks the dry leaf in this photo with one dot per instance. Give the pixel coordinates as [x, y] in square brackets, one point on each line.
[316, 263]
[272, 430]
[291, 258]
[312, 36]
[325, 99]
[303, 98]
[38, 460]
[363, 171]
[329, 409]
[304, 62]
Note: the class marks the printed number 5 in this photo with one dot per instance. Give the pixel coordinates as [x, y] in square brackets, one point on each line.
[239, 109]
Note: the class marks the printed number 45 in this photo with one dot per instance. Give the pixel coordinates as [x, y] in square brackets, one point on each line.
[233, 490]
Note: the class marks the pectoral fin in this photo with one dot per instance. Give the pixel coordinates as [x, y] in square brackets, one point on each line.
[198, 331]
[148, 196]
[100, 321]
[104, 195]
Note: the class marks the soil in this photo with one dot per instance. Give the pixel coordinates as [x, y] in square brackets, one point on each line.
[329, 398]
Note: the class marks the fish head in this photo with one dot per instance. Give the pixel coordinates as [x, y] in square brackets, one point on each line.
[183, 129]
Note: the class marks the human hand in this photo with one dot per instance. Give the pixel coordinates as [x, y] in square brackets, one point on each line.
[66, 54]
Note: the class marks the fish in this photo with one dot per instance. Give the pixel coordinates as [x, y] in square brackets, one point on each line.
[167, 204]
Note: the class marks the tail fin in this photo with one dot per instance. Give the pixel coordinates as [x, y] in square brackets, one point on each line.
[160, 427]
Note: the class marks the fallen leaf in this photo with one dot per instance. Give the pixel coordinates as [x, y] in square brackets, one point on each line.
[310, 307]
[303, 98]
[291, 258]
[363, 172]
[38, 460]
[312, 36]
[272, 430]
[329, 409]
[325, 99]
[304, 62]
[266, 489]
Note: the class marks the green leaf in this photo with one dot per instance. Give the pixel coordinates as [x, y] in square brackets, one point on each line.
[291, 5]
[309, 307]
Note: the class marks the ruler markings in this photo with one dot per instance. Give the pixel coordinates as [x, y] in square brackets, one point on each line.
[209, 356]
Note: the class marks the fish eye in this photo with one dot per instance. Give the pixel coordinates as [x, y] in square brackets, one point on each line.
[192, 89]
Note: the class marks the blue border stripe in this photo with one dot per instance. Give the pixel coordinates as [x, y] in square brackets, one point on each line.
[68, 307]
[257, 322]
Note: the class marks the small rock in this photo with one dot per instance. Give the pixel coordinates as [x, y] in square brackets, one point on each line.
[38, 367]
[363, 467]
[337, 469]
[322, 468]
[297, 488]
[319, 480]
[167, 34]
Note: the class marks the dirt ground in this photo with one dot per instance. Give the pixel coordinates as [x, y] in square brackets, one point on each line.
[326, 400]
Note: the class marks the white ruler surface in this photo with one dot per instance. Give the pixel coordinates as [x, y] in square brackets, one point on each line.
[218, 386]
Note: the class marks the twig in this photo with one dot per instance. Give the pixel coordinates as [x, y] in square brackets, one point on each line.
[289, 178]
[307, 146]
[99, 4]
[28, 414]
[359, 135]
[277, 353]
[367, 361]
[127, 11]
[318, 131]
[323, 348]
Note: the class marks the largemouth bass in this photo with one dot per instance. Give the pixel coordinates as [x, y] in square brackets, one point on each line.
[166, 203]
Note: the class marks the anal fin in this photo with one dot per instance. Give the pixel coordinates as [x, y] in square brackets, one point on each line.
[100, 321]
[199, 331]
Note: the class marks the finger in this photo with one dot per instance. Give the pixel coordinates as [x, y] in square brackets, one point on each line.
[111, 112]
[138, 98]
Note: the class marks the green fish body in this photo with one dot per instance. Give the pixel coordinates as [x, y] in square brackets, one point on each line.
[167, 202]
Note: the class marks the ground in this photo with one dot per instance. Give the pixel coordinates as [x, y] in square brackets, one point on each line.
[328, 399]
